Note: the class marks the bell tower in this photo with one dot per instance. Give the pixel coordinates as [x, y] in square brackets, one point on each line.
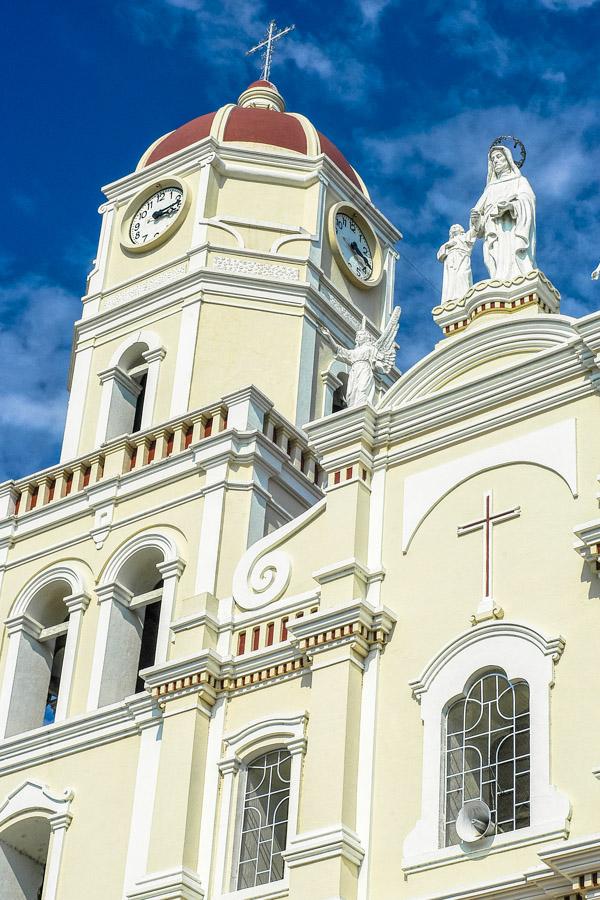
[237, 235]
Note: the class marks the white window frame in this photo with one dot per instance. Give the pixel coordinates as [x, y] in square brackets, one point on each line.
[34, 799]
[524, 654]
[243, 746]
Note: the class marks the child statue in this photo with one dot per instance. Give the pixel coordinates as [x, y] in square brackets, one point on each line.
[456, 256]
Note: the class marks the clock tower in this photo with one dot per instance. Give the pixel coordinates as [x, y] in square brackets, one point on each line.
[237, 236]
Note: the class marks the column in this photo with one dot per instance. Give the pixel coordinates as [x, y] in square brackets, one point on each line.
[229, 769]
[184, 363]
[110, 667]
[324, 857]
[154, 359]
[176, 821]
[77, 605]
[171, 573]
[149, 719]
[78, 390]
[58, 829]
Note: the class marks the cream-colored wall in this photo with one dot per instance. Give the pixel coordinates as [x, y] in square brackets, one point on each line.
[241, 343]
[102, 779]
[436, 586]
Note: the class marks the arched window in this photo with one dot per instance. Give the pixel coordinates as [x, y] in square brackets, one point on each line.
[23, 855]
[43, 637]
[137, 597]
[33, 823]
[265, 819]
[485, 706]
[127, 382]
[487, 753]
[134, 610]
[339, 395]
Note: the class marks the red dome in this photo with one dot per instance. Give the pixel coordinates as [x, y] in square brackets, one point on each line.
[254, 125]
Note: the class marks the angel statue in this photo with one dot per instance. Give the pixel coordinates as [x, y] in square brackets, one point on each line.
[367, 357]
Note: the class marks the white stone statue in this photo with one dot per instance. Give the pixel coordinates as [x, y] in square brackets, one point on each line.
[596, 273]
[504, 217]
[367, 357]
[456, 256]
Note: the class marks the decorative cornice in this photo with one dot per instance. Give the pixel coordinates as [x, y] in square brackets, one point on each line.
[357, 623]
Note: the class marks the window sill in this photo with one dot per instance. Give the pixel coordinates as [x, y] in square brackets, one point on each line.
[497, 843]
[272, 891]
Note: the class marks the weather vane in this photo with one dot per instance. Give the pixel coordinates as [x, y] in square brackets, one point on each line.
[272, 36]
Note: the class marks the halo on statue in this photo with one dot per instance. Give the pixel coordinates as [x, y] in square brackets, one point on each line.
[505, 140]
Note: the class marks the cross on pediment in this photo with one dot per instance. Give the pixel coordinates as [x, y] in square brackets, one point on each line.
[486, 525]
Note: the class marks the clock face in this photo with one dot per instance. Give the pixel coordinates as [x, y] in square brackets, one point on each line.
[156, 215]
[353, 246]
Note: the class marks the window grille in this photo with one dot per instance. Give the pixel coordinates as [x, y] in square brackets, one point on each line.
[487, 753]
[265, 820]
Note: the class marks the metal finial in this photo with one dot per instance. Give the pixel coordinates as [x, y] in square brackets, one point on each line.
[272, 36]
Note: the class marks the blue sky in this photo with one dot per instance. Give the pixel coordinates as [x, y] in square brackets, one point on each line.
[413, 93]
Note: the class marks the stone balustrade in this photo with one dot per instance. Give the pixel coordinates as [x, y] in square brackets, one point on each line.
[132, 452]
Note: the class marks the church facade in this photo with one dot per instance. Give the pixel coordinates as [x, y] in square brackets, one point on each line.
[259, 642]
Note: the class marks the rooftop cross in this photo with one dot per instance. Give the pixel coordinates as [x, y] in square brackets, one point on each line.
[272, 36]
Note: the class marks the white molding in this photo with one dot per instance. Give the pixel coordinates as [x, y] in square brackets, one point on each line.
[209, 542]
[171, 884]
[76, 406]
[523, 653]
[261, 735]
[211, 790]
[161, 540]
[366, 765]
[553, 448]
[562, 864]
[434, 374]
[184, 360]
[143, 800]
[335, 841]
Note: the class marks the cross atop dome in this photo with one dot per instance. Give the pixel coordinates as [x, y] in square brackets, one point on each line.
[267, 46]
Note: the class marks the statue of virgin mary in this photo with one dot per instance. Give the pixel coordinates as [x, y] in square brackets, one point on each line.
[504, 217]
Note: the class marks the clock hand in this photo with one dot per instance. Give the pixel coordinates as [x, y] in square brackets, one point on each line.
[355, 249]
[164, 211]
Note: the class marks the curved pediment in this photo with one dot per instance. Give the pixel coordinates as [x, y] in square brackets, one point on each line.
[478, 354]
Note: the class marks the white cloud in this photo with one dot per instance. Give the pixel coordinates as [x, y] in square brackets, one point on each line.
[35, 340]
[437, 174]
[372, 10]
[569, 5]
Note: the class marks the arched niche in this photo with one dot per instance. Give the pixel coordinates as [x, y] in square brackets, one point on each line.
[33, 825]
[129, 387]
[137, 596]
[43, 628]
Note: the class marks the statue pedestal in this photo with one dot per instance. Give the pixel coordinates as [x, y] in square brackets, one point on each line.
[487, 301]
